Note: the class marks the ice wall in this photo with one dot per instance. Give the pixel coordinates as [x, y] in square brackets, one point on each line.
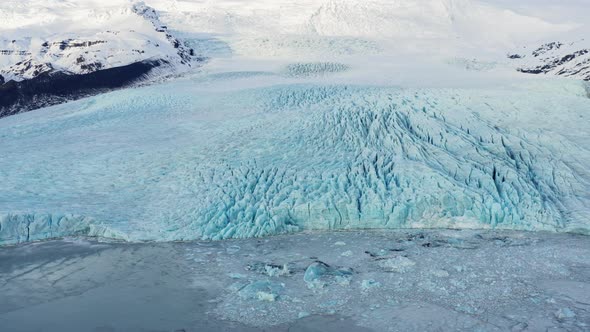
[175, 163]
[370, 158]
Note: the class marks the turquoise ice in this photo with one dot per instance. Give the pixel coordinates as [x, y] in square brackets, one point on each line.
[177, 161]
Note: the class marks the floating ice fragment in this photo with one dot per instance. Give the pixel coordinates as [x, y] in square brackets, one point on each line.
[347, 253]
[303, 314]
[315, 271]
[343, 280]
[318, 274]
[269, 269]
[274, 271]
[564, 313]
[397, 264]
[262, 290]
[369, 283]
[440, 273]
[380, 253]
[265, 296]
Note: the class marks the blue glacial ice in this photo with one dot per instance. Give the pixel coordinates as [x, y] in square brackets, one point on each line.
[176, 162]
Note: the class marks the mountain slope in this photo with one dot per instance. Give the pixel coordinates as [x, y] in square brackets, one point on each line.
[85, 37]
[556, 58]
[80, 38]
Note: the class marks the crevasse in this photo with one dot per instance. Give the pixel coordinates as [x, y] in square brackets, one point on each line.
[175, 163]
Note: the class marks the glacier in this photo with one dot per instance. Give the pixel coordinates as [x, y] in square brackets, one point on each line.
[184, 161]
[334, 165]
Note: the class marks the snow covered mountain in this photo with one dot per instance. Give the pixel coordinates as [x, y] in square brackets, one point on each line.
[50, 49]
[55, 45]
[81, 37]
[556, 58]
[307, 115]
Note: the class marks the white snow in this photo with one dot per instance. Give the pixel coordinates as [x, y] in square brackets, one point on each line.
[74, 36]
[568, 59]
[316, 30]
[397, 264]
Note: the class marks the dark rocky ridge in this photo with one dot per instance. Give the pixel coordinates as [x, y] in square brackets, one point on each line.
[557, 62]
[554, 58]
[150, 14]
[35, 81]
[51, 88]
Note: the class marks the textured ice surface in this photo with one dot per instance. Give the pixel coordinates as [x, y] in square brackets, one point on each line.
[493, 281]
[457, 281]
[175, 162]
[315, 69]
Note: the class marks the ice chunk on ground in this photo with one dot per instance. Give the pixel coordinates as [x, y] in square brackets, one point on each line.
[303, 314]
[262, 290]
[266, 296]
[369, 284]
[397, 264]
[440, 273]
[319, 274]
[315, 271]
[347, 253]
[564, 313]
[274, 271]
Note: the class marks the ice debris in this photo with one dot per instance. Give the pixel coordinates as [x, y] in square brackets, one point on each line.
[269, 269]
[369, 284]
[347, 253]
[263, 290]
[274, 271]
[303, 314]
[564, 313]
[397, 264]
[319, 274]
[440, 273]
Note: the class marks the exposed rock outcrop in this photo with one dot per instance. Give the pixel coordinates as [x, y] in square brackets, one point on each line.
[556, 58]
